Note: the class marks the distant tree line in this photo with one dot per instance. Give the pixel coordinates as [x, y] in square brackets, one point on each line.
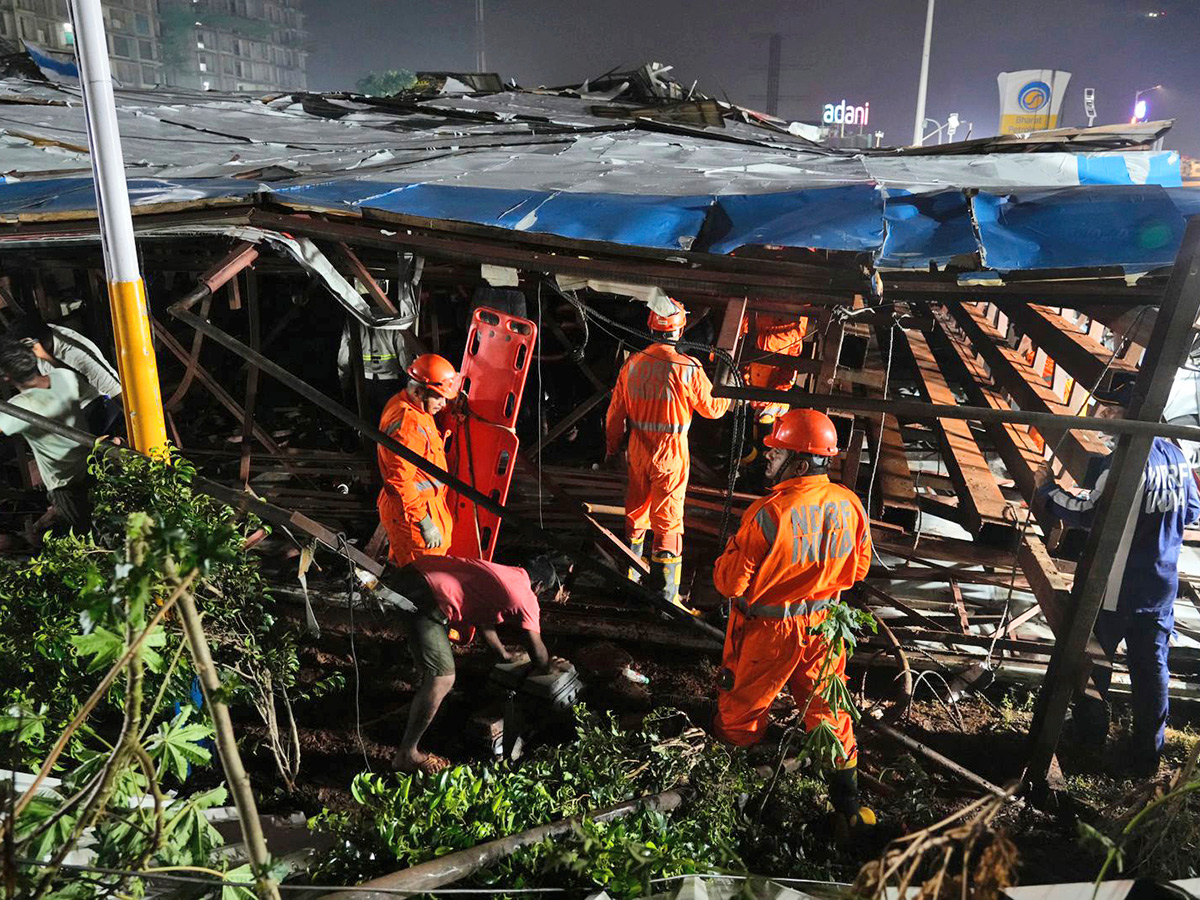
[384, 84]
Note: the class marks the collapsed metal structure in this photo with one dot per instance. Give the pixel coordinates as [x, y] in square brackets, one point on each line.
[1022, 275]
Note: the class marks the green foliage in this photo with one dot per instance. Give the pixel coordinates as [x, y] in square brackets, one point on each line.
[86, 604]
[404, 820]
[63, 618]
[385, 84]
[178, 745]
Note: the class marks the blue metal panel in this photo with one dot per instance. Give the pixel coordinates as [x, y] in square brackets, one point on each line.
[667, 223]
[1103, 170]
[835, 218]
[926, 227]
[638, 220]
[1165, 170]
[75, 194]
[1136, 226]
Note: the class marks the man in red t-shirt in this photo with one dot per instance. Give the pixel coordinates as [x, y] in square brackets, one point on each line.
[457, 595]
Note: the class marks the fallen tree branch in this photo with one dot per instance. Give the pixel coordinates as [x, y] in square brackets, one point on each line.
[454, 867]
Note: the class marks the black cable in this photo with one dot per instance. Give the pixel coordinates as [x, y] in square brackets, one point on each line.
[350, 591]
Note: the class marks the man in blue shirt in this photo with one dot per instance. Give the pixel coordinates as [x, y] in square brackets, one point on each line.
[1142, 611]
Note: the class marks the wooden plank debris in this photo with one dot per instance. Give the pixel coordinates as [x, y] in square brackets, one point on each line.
[1081, 452]
[980, 503]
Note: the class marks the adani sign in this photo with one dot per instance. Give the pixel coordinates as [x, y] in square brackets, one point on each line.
[845, 114]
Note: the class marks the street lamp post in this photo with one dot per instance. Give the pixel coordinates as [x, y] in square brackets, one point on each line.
[1139, 105]
[923, 84]
[136, 362]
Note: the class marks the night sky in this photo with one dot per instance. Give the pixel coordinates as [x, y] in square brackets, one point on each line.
[857, 50]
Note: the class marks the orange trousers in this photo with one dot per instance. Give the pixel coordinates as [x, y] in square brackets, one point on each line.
[654, 497]
[404, 537]
[765, 655]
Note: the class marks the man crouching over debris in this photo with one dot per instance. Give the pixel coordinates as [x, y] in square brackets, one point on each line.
[457, 596]
[794, 553]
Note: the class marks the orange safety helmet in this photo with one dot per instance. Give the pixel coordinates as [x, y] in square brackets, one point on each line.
[804, 431]
[674, 322]
[436, 373]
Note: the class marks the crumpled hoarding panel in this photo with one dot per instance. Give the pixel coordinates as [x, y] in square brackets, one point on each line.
[832, 218]
[1138, 227]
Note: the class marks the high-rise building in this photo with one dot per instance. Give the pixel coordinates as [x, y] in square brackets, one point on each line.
[132, 27]
[233, 45]
[220, 45]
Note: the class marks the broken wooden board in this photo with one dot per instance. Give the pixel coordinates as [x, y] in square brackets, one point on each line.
[981, 506]
[1087, 360]
[1081, 452]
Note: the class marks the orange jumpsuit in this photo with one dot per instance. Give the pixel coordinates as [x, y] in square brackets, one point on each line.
[774, 334]
[657, 392]
[795, 551]
[409, 494]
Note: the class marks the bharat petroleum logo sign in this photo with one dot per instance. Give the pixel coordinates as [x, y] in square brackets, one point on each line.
[1034, 96]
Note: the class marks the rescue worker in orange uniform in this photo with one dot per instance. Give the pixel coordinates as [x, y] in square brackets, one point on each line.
[772, 334]
[413, 505]
[794, 553]
[656, 394]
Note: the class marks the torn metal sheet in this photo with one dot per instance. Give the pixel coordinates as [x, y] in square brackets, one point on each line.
[577, 168]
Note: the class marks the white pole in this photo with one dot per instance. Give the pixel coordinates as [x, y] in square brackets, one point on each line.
[108, 167]
[923, 84]
[480, 53]
[136, 363]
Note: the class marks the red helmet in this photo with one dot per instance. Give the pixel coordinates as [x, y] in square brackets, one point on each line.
[674, 322]
[436, 373]
[805, 431]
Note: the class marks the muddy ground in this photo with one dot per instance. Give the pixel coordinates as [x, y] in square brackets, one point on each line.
[350, 729]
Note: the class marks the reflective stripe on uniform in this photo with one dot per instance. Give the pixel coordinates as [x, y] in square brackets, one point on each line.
[788, 610]
[431, 484]
[661, 427]
[768, 526]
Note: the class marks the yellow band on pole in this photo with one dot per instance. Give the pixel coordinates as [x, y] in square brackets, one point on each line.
[137, 366]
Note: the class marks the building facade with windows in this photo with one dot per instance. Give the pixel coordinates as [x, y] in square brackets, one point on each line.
[234, 45]
[132, 27]
[220, 45]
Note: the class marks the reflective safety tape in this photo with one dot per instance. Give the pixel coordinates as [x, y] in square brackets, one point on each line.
[431, 485]
[787, 610]
[769, 527]
[661, 427]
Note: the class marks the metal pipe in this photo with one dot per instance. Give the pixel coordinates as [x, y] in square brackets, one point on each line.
[919, 410]
[923, 83]
[136, 363]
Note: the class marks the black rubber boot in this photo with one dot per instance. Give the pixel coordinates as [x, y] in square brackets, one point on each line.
[666, 569]
[850, 817]
[637, 544]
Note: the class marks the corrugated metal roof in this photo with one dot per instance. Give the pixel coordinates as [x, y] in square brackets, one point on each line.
[544, 163]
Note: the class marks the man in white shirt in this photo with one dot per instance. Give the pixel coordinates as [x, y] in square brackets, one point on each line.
[60, 395]
[52, 343]
[57, 346]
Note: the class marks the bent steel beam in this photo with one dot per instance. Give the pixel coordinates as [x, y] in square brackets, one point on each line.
[911, 409]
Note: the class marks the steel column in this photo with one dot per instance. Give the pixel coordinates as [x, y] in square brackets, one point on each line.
[1115, 515]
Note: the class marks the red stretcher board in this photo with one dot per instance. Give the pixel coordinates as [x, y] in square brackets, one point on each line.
[483, 445]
